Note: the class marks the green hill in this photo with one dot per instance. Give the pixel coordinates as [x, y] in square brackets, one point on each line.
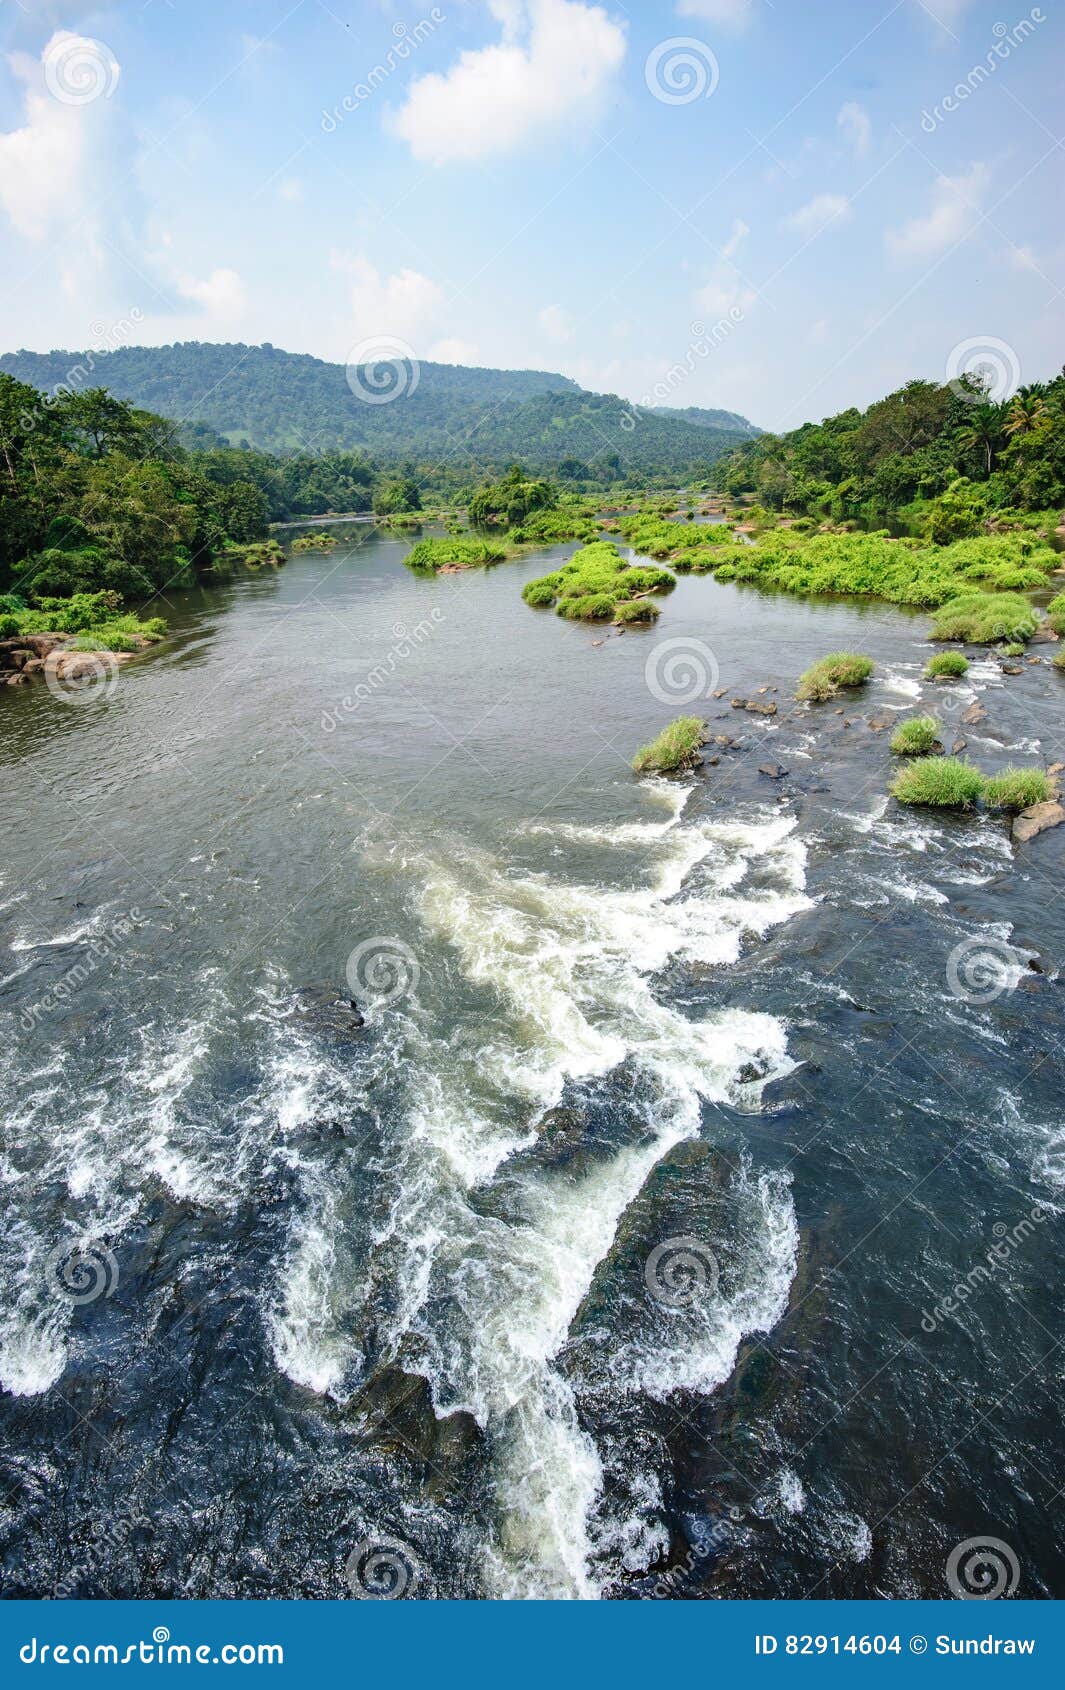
[477, 418]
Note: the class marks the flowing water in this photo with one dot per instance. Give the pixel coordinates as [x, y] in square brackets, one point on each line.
[607, 1257]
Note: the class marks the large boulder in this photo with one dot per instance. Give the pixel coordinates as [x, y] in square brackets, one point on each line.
[1036, 819]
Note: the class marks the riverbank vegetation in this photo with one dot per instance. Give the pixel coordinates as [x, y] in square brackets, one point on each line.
[95, 619]
[314, 543]
[676, 748]
[947, 456]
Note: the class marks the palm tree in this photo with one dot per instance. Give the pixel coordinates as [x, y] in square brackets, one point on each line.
[1027, 410]
[984, 431]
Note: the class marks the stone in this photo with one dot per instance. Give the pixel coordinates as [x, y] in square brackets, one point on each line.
[1044, 635]
[1036, 819]
[1011, 668]
[959, 745]
[878, 723]
[975, 713]
[775, 771]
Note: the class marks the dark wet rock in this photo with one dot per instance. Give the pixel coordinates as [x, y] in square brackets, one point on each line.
[395, 1413]
[975, 713]
[1012, 668]
[327, 1008]
[774, 771]
[1037, 819]
[712, 762]
[564, 1127]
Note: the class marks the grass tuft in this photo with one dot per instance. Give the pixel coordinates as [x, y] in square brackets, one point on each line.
[946, 663]
[839, 669]
[943, 781]
[985, 618]
[915, 738]
[677, 747]
[1015, 789]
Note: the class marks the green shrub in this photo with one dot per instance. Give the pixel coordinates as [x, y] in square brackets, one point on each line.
[916, 737]
[677, 747]
[461, 551]
[1015, 789]
[9, 627]
[943, 781]
[595, 582]
[984, 618]
[839, 669]
[946, 663]
[1059, 660]
[637, 610]
[541, 592]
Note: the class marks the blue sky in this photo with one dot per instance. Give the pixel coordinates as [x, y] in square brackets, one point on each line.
[830, 198]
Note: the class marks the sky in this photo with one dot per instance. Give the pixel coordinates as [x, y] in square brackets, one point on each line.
[783, 209]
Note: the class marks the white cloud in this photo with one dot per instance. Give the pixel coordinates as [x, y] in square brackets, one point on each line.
[406, 304]
[724, 289]
[454, 351]
[732, 14]
[954, 212]
[856, 125]
[555, 323]
[222, 294]
[50, 169]
[817, 214]
[553, 63]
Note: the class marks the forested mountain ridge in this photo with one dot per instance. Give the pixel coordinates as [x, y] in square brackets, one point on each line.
[283, 402]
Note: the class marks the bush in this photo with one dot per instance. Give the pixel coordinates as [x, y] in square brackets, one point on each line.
[637, 610]
[916, 737]
[677, 747]
[1015, 789]
[596, 583]
[461, 551]
[984, 618]
[946, 663]
[943, 781]
[541, 592]
[839, 669]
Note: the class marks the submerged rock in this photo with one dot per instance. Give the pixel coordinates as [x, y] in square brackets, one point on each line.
[975, 713]
[322, 1004]
[755, 706]
[774, 771]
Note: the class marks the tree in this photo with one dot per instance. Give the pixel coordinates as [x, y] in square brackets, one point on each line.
[984, 432]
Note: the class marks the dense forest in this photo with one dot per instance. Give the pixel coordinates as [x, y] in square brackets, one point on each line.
[459, 424]
[947, 457]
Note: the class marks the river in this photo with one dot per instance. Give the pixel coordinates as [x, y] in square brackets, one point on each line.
[607, 1258]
